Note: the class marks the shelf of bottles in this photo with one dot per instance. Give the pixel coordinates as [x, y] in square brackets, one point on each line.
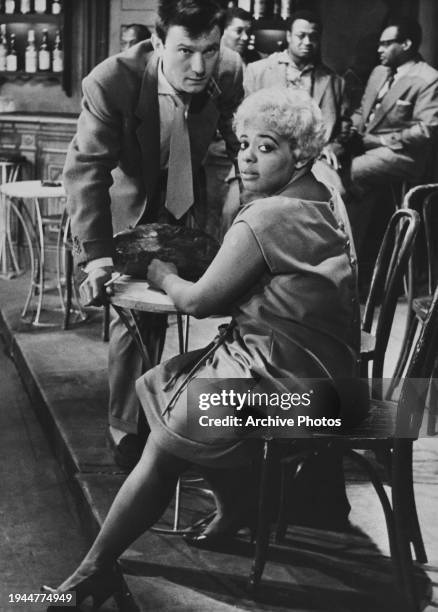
[274, 11]
[33, 41]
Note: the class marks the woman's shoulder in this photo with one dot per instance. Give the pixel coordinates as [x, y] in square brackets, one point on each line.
[270, 206]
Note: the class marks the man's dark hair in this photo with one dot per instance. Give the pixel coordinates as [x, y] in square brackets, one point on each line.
[196, 16]
[309, 16]
[407, 28]
[142, 32]
[236, 12]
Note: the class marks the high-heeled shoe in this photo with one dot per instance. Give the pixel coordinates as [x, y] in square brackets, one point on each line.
[222, 538]
[100, 586]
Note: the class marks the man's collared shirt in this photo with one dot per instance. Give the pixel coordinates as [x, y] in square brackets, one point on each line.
[296, 77]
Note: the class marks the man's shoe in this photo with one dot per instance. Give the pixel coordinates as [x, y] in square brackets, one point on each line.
[127, 452]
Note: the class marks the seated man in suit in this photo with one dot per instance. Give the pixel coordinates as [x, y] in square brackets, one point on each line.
[395, 126]
[126, 164]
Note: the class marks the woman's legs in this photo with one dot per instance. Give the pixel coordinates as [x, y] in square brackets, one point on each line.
[140, 502]
[234, 490]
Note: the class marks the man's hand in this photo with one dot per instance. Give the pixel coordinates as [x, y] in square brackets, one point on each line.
[92, 290]
[157, 271]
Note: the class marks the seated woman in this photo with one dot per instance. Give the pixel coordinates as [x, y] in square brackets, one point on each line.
[286, 273]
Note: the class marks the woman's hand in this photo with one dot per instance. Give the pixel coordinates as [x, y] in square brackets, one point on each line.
[157, 272]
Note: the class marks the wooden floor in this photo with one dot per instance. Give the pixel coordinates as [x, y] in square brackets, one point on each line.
[65, 374]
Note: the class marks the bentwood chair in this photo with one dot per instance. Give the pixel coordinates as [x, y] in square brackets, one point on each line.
[419, 306]
[389, 427]
[391, 266]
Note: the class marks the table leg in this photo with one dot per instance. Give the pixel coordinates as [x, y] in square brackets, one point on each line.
[40, 284]
[25, 227]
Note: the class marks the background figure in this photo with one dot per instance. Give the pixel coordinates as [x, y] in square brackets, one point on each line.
[237, 34]
[219, 170]
[395, 129]
[126, 165]
[132, 34]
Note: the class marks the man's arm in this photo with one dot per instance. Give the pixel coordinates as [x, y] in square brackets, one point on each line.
[92, 155]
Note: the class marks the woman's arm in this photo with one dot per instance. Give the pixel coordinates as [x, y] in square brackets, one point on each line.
[238, 264]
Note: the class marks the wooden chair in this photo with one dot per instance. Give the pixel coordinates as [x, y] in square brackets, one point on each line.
[419, 306]
[391, 266]
[389, 427]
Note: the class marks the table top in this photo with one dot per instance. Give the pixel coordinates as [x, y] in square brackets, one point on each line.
[137, 294]
[31, 189]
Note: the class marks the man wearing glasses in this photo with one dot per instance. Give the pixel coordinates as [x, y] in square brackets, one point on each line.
[396, 124]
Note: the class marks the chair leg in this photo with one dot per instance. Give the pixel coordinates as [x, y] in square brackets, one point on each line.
[405, 350]
[263, 519]
[68, 264]
[416, 536]
[402, 459]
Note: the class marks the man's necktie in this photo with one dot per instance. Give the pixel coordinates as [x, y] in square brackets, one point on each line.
[179, 195]
[382, 93]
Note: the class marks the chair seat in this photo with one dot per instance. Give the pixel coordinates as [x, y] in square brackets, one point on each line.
[421, 305]
[367, 345]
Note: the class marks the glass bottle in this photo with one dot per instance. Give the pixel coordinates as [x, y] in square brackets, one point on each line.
[57, 54]
[9, 7]
[30, 54]
[3, 47]
[25, 7]
[285, 9]
[40, 6]
[56, 7]
[259, 9]
[11, 58]
[44, 53]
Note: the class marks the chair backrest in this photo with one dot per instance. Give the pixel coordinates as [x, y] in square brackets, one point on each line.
[431, 246]
[422, 368]
[416, 199]
[391, 265]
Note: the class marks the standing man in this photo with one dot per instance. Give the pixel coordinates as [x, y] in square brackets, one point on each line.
[300, 66]
[396, 124]
[126, 164]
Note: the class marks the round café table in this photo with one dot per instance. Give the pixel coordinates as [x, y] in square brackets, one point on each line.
[17, 197]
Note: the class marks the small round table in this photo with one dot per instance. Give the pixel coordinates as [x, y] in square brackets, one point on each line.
[21, 191]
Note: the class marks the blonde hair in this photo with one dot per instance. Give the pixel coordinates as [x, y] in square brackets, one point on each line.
[291, 113]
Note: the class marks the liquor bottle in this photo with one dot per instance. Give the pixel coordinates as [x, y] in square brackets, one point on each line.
[25, 7]
[11, 58]
[30, 54]
[56, 7]
[57, 54]
[259, 9]
[285, 9]
[44, 53]
[40, 6]
[10, 7]
[3, 47]
[276, 9]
